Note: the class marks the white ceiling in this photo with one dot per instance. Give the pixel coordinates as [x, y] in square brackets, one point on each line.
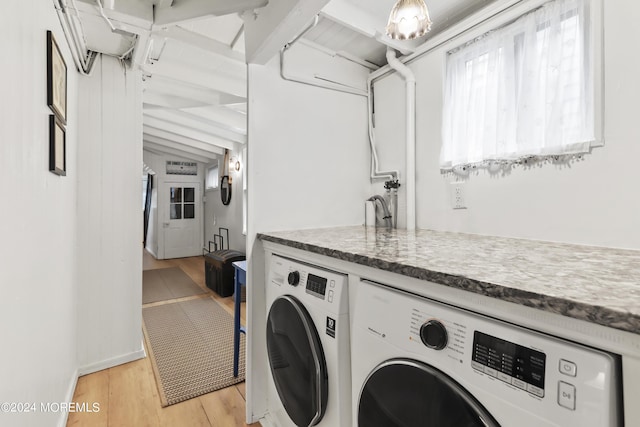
[192, 54]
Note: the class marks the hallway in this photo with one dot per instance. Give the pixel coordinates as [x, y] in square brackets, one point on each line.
[128, 395]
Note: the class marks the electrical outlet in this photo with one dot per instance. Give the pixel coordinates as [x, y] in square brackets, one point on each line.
[458, 200]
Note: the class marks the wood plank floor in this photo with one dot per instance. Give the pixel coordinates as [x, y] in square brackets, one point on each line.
[128, 395]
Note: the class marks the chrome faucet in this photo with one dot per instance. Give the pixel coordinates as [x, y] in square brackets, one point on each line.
[385, 209]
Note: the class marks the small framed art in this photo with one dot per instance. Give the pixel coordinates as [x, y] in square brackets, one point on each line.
[57, 147]
[56, 79]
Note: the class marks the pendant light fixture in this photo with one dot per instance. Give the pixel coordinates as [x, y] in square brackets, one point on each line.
[409, 19]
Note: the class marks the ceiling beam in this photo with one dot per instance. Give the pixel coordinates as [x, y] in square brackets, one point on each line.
[187, 131]
[173, 88]
[186, 136]
[199, 123]
[191, 76]
[161, 4]
[201, 42]
[173, 151]
[186, 10]
[152, 136]
[179, 139]
[227, 113]
[275, 25]
[169, 101]
[350, 16]
[135, 13]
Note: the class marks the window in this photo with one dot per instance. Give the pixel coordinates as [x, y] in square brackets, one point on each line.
[182, 203]
[212, 176]
[523, 90]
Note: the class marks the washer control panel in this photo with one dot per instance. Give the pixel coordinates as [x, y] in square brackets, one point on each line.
[514, 364]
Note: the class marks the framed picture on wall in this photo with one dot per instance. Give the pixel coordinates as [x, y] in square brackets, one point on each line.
[56, 79]
[57, 146]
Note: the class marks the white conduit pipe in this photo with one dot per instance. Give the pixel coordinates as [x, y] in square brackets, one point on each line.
[106, 18]
[410, 82]
[330, 85]
[84, 65]
[375, 173]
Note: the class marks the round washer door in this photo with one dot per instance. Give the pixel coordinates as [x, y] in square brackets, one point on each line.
[404, 393]
[297, 361]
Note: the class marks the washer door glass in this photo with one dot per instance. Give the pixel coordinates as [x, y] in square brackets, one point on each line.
[404, 393]
[297, 361]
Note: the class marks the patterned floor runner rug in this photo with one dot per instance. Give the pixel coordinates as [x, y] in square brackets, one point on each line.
[191, 348]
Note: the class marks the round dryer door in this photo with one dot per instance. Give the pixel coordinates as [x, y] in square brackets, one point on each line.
[297, 361]
[404, 393]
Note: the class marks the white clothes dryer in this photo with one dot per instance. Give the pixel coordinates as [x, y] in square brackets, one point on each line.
[307, 346]
[418, 362]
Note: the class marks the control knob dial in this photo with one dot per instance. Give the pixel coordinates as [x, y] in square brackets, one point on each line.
[293, 278]
[434, 335]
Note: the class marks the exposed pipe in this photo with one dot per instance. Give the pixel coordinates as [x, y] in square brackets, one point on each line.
[410, 84]
[77, 35]
[317, 83]
[84, 64]
[101, 9]
[393, 175]
[237, 37]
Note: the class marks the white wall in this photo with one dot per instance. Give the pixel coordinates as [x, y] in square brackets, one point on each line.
[109, 217]
[37, 224]
[308, 167]
[217, 215]
[593, 202]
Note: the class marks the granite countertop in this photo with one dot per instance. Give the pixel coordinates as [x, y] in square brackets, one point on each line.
[599, 285]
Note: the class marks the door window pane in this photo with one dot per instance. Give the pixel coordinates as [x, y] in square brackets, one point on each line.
[176, 195]
[176, 211]
[189, 211]
[189, 194]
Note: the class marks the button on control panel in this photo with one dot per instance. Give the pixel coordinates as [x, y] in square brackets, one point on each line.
[566, 395]
[568, 368]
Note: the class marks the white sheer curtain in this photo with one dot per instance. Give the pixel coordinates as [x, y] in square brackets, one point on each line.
[522, 90]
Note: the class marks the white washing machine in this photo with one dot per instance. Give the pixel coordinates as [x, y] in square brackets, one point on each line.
[307, 346]
[417, 362]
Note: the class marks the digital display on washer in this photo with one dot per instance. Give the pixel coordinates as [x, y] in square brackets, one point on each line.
[520, 366]
[316, 285]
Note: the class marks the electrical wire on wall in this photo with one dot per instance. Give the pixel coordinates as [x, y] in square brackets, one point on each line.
[82, 58]
[319, 81]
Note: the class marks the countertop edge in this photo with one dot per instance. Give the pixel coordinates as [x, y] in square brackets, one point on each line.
[600, 315]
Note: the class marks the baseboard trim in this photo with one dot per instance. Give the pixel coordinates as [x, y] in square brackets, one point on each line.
[110, 363]
[64, 415]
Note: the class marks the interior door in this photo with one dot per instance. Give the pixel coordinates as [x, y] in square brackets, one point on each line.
[182, 222]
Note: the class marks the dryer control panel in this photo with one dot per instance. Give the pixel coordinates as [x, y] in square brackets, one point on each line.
[309, 283]
[316, 285]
